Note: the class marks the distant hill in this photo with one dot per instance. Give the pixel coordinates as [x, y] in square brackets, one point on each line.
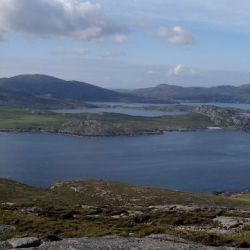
[42, 91]
[15, 99]
[196, 94]
[50, 89]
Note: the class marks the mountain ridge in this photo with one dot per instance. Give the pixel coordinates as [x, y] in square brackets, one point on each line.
[221, 93]
[42, 85]
[49, 87]
[46, 91]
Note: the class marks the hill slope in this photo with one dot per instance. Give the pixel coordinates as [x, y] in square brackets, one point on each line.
[197, 94]
[15, 99]
[53, 88]
[74, 209]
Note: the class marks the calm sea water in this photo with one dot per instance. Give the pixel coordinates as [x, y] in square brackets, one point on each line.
[135, 109]
[195, 161]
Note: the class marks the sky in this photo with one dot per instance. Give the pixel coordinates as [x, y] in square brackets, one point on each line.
[127, 44]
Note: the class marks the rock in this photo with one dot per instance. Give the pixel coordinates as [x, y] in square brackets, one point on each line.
[88, 207]
[24, 242]
[31, 210]
[51, 238]
[179, 208]
[9, 204]
[225, 117]
[207, 229]
[236, 223]
[3, 246]
[117, 216]
[92, 210]
[134, 213]
[93, 216]
[153, 242]
[5, 229]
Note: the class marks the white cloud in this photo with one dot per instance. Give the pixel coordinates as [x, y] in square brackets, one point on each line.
[74, 19]
[181, 70]
[176, 35]
[120, 38]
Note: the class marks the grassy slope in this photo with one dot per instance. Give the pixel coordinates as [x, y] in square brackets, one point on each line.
[14, 119]
[63, 215]
[117, 195]
[243, 197]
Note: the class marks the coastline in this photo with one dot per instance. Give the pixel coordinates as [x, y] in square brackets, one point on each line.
[146, 133]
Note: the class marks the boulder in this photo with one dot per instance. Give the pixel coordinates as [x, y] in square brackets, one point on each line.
[24, 242]
[5, 229]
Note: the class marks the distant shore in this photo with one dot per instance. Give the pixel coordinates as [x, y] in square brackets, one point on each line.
[146, 133]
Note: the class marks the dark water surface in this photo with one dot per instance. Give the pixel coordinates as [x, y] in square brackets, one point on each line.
[202, 161]
[137, 109]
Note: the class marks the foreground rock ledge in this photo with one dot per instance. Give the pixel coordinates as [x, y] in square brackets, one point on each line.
[152, 242]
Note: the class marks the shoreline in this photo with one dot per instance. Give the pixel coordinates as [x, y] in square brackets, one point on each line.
[20, 131]
[146, 133]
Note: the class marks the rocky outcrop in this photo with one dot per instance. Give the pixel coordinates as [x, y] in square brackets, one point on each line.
[225, 117]
[5, 229]
[152, 242]
[24, 242]
[236, 223]
[97, 127]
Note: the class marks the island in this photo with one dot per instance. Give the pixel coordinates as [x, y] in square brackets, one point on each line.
[112, 124]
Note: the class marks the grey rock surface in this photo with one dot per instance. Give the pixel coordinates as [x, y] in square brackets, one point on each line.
[5, 229]
[225, 117]
[24, 242]
[153, 242]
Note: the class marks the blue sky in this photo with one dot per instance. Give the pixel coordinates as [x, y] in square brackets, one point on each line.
[128, 44]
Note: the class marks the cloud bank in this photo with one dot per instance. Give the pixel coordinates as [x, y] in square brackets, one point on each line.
[73, 19]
